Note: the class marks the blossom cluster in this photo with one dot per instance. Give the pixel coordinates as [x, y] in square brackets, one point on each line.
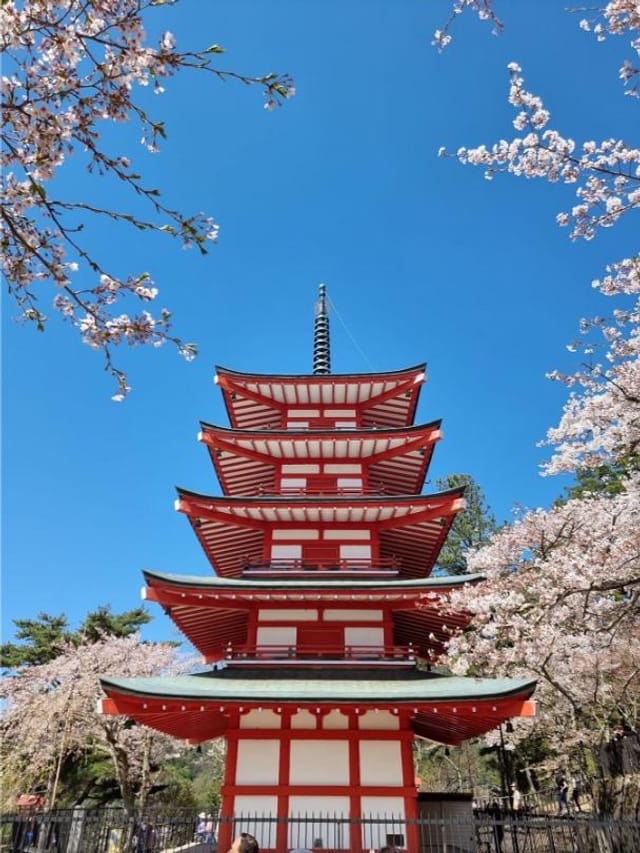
[49, 711]
[606, 173]
[69, 66]
[562, 590]
[560, 602]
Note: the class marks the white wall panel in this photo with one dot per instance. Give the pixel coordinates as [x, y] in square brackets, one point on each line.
[355, 552]
[286, 552]
[334, 615]
[319, 762]
[260, 720]
[334, 720]
[378, 835]
[344, 535]
[364, 637]
[379, 721]
[380, 762]
[293, 483]
[258, 762]
[341, 468]
[331, 835]
[282, 615]
[304, 720]
[280, 636]
[295, 535]
[252, 805]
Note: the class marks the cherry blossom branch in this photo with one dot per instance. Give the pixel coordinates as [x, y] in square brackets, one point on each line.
[69, 66]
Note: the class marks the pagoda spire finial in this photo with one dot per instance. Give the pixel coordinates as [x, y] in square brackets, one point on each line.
[321, 348]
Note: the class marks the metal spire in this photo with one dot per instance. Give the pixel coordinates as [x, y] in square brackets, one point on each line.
[321, 348]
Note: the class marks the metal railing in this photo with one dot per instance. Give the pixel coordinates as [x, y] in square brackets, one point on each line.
[109, 830]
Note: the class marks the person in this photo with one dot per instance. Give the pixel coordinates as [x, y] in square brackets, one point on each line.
[576, 793]
[200, 827]
[561, 794]
[517, 800]
[146, 837]
[494, 812]
[209, 835]
[244, 843]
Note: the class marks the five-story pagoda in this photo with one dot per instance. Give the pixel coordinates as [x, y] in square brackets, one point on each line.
[322, 605]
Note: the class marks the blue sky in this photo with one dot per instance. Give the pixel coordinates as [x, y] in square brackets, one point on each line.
[423, 259]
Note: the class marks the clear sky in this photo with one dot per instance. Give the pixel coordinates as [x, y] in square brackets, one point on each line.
[423, 259]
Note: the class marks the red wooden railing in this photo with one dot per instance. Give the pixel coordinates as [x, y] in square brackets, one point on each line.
[353, 564]
[318, 491]
[309, 652]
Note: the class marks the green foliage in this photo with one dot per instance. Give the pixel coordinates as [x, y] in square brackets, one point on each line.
[102, 622]
[468, 768]
[203, 767]
[471, 528]
[608, 479]
[44, 638]
[174, 789]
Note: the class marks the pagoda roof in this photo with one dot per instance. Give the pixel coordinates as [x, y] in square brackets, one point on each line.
[213, 612]
[410, 528]
[442, 708]
[261, 401]
[240, 586]
[247, 461]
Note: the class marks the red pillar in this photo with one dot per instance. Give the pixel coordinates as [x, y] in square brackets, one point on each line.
[283, 781]
[409, 781]
[227, 805]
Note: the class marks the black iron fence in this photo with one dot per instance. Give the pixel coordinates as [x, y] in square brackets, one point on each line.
[474, 831]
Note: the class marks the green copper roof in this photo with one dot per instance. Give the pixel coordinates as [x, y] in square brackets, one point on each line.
[226, 685]
[389, 584]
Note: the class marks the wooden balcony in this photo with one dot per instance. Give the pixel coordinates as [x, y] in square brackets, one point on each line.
[349, 655]
[385, 566]
[316, 491]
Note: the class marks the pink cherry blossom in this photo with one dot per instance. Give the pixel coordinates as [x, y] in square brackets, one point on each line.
[49, 714]
[68, 66]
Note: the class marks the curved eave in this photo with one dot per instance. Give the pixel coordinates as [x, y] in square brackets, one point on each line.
[448, 710]
[240, 585]
[411, 528]
[256, 401]
[213, 612]
[246, 461]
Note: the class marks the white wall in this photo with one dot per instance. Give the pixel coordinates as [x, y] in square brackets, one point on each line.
[257, 762]
[260, 720]
[335, 615]
[286, 552]
[254, 804]
[272, 636]
[319, 762]
[355, 552]
[332, 835]
[379, 721]
[375, 835]
[334, 720]
[380, 762]
[364, 637]
[281, 615]
[304, 720]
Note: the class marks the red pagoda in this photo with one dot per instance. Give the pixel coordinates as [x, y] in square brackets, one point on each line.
[322, 620]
